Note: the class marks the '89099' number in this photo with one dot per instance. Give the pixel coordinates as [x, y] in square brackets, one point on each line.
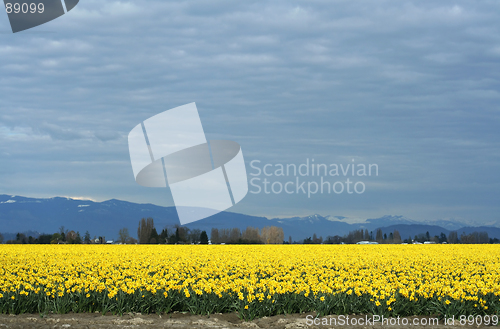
[24, 8]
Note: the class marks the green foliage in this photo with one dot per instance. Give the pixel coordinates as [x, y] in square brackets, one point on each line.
[86, 238]
[145, 229]
[162, 301]
[203, 237]
[154, 237]
[163, 236]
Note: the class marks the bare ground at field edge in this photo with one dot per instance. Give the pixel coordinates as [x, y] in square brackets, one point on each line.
[181, 321]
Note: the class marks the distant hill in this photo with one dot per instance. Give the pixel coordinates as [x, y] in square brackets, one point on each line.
[12, 236]
[493, 232]
[20, 214]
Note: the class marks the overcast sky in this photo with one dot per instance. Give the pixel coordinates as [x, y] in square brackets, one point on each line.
[412, 86]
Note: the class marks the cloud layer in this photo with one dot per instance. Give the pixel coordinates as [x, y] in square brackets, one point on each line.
[410, 86]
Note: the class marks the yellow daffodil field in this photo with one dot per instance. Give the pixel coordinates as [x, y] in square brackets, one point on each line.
[253, 280]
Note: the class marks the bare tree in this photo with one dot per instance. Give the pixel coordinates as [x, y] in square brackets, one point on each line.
[397, 236]
[214, 236]
[265, 235]
[474, 237]
[453, 237]
[234, 235]
[223, 235]
[483, 237]
[182, 232]
[123, 235]
[62, 233]
[354, 236]
[194, 235]
[250, 234]
[131, 240]
[277, 235]
[272, 235]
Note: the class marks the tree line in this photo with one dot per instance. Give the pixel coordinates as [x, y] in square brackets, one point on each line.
[147, 234]
[64, 236]
[251, 235]
[395, 238]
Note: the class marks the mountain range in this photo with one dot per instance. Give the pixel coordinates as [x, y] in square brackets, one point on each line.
[36, 215]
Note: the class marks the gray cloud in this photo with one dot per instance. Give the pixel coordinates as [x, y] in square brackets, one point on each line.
[57, 132]
[105, 136]
[410, 86]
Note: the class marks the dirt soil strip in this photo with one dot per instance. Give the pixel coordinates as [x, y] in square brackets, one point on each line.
[183, 321]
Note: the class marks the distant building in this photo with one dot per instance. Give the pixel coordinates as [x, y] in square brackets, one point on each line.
[366, 242]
